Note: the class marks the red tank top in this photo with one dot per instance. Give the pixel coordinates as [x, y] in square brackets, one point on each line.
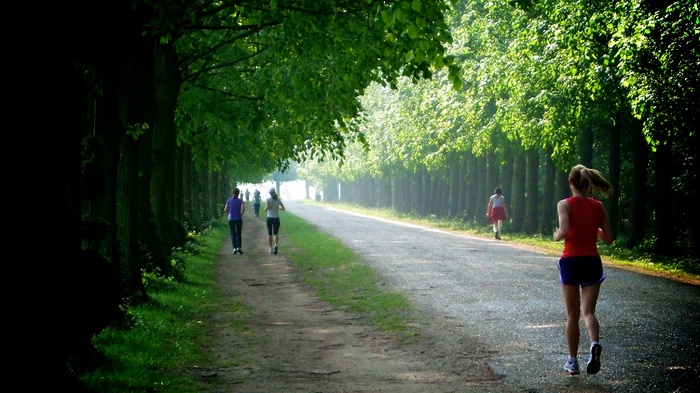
[585, 217]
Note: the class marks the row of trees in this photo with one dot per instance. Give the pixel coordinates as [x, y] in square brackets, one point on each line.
[146, 112]
[611, 86]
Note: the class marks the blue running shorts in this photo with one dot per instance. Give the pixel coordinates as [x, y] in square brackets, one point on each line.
[581, 270]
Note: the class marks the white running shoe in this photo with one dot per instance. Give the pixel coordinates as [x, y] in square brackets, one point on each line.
[572, 367]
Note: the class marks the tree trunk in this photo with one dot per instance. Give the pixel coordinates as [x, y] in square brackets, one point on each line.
[517, 198]
[461, 198]
[549, 217]
[166, 89]
[147, 230]
[532, 198]
[507, 175]
[213, 194]
[135, 109]
[131, 264]
[613, 203]
[178, 190]
[663, 228]
[472, 206]
[188, 187]
[201, 198]
[483, 190]
[440, 198]
[453, 205]
[426, 195]
[108, 130]
[638, 201]
[492, 169]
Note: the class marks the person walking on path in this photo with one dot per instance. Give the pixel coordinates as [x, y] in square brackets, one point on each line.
[582, 221]
[273, 205]
[496, 211]
[256, 202]
[247, 195]
[235, 207]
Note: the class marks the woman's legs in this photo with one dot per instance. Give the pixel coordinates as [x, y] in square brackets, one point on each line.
[275, 235]
[232, 229]
[589, 299]
[269, 232]
[238, 238]
[573, 313]
[273, 226]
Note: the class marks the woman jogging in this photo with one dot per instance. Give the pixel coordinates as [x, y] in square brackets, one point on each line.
[582, 221]
[272, 206]
[235, 207]
[256, 202]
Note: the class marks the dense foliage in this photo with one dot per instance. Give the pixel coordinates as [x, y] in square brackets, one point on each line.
[612, 86]
[158, 108]
[146, 112]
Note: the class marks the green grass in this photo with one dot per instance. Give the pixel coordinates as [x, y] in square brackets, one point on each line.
[153, 349]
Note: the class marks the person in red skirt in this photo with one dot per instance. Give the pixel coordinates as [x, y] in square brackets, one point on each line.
[497, 211]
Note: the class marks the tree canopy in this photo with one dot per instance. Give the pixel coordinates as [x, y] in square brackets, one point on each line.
[159, 107]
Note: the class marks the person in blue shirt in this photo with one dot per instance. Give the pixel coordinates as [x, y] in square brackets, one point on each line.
[235, 207]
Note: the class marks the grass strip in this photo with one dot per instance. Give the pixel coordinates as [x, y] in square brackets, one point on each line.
[341, 278]
[152, 349]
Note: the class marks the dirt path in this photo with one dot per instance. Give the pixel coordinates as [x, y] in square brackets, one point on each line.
[299, 344]
[492, 320]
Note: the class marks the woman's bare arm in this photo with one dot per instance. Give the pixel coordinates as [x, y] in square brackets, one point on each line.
[563, 213]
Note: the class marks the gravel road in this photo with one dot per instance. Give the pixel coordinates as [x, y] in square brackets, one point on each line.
[508, 297]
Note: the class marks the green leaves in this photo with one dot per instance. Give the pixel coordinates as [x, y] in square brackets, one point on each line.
[289, 77]
[388, 18]
[414, 31]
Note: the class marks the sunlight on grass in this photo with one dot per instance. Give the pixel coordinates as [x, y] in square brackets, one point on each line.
[147, 351]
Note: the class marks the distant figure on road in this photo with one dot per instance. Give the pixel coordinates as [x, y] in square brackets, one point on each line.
[582, 221]
[256, 202]
[272, 206]
[496, 211]
[235, 207]
[247, 195]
